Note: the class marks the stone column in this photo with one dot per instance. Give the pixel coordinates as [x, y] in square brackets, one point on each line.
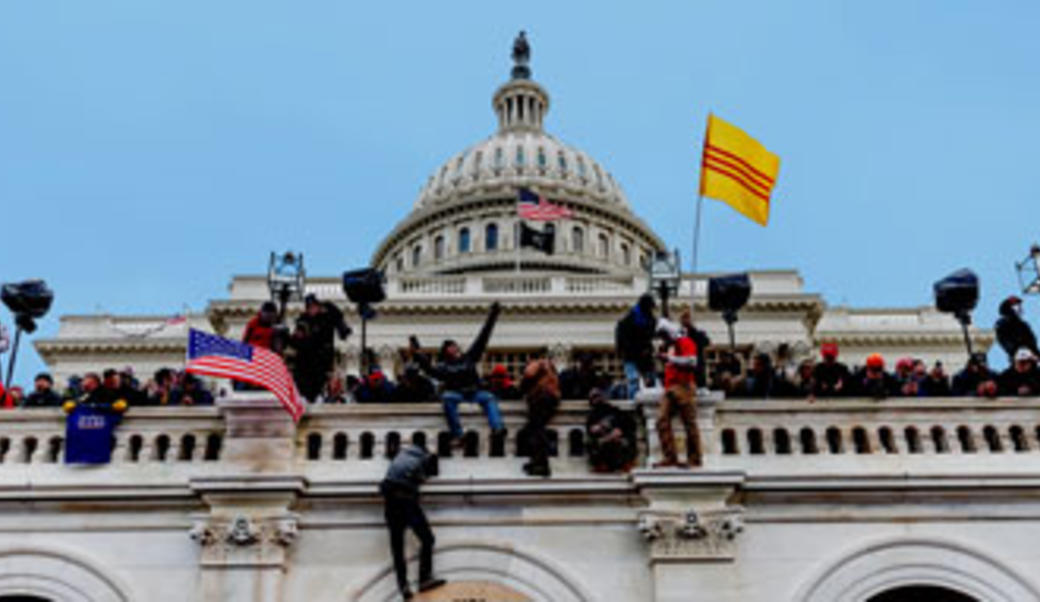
[249, 525]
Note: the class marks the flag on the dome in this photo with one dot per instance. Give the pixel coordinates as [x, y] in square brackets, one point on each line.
[543, 240]
[738, 170]
[536, 207]
[216, 356]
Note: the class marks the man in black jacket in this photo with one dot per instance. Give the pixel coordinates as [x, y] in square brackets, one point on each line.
[400, 489]
[1014, 333]
[43, 395]
[315, 345]
[1022, 377]
[976, 378]
[612, 435]
[634, 338]
[457, 372]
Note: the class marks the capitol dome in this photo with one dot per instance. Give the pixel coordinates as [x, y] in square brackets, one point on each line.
[464, 218]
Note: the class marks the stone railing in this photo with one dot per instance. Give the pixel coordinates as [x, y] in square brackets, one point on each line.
[776, 436]
[476, 285]
[855, 435]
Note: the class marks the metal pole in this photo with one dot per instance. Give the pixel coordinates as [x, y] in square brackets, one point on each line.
[364, 348]
[965, 320]
[10, 362]
[696, 244]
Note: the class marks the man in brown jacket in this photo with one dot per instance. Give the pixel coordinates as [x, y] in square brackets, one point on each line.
[541, 388]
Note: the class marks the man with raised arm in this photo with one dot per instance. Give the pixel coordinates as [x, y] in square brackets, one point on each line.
[457, 372]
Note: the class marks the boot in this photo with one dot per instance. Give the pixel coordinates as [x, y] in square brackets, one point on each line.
[430, 583]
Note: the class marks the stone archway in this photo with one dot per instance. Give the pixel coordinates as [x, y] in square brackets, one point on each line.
[865, 573]
[54, 575]
[501, 569]
[917, 593]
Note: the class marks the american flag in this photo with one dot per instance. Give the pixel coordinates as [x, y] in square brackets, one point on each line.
[536, 207]
[216, 356]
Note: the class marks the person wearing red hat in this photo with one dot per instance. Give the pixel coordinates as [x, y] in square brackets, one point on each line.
[1013, 332]
[501, 385]
[830, 376]
[680, 360]
[874, 381]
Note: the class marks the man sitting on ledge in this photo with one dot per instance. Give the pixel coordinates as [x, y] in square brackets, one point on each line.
[457, 372]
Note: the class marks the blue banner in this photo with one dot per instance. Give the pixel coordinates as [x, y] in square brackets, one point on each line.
[88, 435]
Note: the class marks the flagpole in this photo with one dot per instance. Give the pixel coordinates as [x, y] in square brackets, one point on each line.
[516, 243]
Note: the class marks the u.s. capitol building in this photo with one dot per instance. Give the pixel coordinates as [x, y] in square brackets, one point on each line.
[847, 500]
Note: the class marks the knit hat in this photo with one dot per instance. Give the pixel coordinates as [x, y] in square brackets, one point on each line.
[499, 370]
[829, 350]
[874, 360]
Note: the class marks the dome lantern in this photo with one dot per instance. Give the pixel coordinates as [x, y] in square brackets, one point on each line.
[521, 104]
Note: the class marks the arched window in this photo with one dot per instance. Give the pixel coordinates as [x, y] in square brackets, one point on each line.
[519, 156]
[478, 161]
[399, 262]
[626, 255]
[438, 248]
[541, 158]
[581, 167]
[491, 237]
[604, 246]
[561, 160]
[577, 239]
[416, 255]
[499, 158]
[464, 240]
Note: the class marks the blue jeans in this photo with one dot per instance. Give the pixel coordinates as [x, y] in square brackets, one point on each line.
[487, 401]
[632, 377]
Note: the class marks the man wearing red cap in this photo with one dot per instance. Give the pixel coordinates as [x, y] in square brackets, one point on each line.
[831, 377]
[873, 381]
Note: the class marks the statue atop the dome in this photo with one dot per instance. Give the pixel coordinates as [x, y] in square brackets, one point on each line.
[521, 57]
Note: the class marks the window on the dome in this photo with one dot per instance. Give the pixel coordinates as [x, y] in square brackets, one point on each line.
[577, 240]
[399, 263]
[604, 246]
[626, 255]
[464, 240]
[458, 164]
[491, 237]
[581, 167]
[562, 160]
[416, 255]
[438, 248]
[478, 159]
[599, 176]
[499, 157]
[541, 158]
[520, 156]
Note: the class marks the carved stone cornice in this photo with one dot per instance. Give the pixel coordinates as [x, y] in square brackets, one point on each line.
[692, 535]
[244, 541]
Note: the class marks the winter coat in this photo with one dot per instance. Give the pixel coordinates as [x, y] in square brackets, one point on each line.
[966, 382]
[461, 374]
[1013, 332]
[634, 336]
[408, 471]
[1011, 380]
[44, 399]
[878, 388]
[827, 376]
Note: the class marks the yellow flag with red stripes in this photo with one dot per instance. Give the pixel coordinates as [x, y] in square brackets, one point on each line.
[737, 170]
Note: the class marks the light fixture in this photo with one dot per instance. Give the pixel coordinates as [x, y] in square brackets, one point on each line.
[285, 278]
[665, 275]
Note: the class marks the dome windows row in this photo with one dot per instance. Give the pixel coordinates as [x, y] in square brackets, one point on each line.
[577, 238]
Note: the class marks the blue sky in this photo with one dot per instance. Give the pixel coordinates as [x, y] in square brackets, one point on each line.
[149, 150]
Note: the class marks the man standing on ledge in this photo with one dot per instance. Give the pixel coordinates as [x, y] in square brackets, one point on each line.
[400, 489]
[680, 359]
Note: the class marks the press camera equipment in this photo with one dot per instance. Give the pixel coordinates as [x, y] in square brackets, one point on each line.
[958, 294]
[364, 287]
[728, 294]
[285, 279]
[28, 301]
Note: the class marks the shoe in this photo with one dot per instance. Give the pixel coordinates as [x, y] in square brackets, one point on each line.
[430, 583]
[535, 470]
[406, 593]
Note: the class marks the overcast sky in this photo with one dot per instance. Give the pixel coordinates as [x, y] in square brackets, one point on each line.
[149, 150]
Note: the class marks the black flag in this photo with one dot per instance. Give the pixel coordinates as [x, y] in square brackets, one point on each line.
[544, 241]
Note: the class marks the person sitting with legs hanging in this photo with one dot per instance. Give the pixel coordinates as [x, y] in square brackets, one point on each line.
[457, 372]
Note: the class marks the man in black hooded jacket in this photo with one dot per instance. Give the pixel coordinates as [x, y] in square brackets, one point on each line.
[1014, 333]
[457, 372]
[315, 344]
